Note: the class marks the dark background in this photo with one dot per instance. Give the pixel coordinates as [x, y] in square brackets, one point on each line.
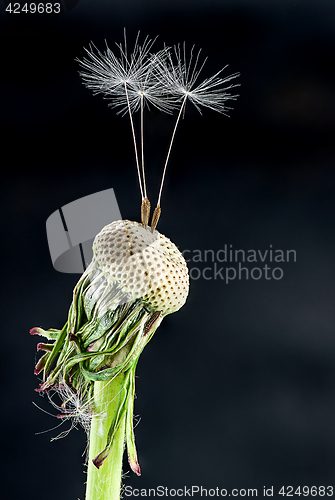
[237, 390]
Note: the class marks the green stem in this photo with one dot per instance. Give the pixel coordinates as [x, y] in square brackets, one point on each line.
[105, 483]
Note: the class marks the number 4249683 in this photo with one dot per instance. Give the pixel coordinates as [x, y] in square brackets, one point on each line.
[34, 8]
[313, 491]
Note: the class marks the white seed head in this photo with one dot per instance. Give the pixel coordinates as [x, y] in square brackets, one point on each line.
[145, 264]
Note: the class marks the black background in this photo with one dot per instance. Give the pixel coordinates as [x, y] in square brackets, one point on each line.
[237, 390]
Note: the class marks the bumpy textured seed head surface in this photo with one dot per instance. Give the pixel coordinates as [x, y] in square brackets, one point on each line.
[146, 264]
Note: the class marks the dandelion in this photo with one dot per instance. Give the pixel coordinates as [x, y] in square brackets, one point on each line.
[136, 278]
[179, 79]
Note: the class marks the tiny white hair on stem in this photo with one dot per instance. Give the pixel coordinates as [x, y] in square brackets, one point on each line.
[73, 408]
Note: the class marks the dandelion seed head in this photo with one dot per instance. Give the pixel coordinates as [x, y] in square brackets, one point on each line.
[161, 273]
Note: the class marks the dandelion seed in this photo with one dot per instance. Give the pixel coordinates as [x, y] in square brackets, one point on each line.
[108, 74]
[178, 79]
[129, 83]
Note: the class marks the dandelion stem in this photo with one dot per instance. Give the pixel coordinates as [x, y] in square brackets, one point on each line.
[134, 139]
[105, 483]
[142, 148]
[170, 147]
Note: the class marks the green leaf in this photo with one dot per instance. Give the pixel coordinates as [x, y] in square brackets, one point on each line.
[58, 344]
[50, 334]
